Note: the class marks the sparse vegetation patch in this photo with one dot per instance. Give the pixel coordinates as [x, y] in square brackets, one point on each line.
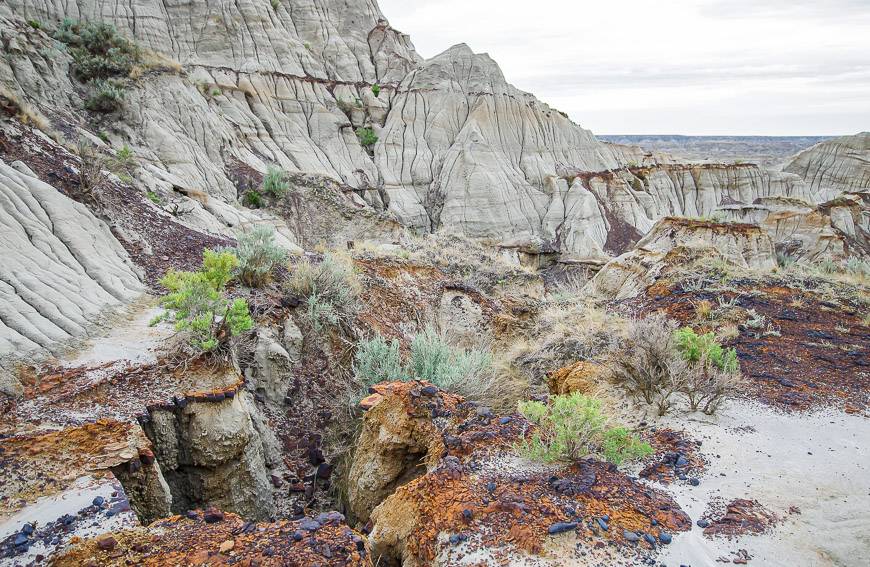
[198, 304]
[572, 427]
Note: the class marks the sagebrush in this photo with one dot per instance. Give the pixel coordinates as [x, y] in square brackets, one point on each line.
[275, 182]
[432, 359]
[659, 363]
[257, 256]
[330, 290]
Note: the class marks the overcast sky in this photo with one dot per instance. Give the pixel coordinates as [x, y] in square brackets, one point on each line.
[762, 67]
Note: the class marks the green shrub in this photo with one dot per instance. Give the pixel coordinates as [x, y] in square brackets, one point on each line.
[98, 51]
[620, 445]
[257, 256]
[274, 182]
[856, 267]
[330, 290]
[35, 24]
[434, 360]
[376, 90]
[153, 197]
[648, 365]
[105, 96]
[695, 348]
[377, 360]
[199, 307]
[367, 137]
[252, 199]
[123, 163]
[572, 427]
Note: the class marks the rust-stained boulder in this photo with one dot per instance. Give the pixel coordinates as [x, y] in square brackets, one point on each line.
[398, 442]
[453, 488]
[578, 377]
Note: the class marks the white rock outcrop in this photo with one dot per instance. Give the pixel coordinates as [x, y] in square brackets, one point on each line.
[675, 242]
[834, 166]
[61, 267]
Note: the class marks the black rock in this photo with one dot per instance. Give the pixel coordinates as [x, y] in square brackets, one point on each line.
[98, 501]
[429, 390]
[665, 538]
[490, 486]
[454, 539]
[297, 536]
[467, 515]
[702, 523]
[605, 517]
[630, 536]
[213, 516]
[20, 539]
[324, 470]
[603, 524]
[561, 527]
[654, 522]
[649, 539]
[191, 514]
[329, 517]
[309, 524]
[505, 420]
[694, 481]
[682, 461]
[27, 529]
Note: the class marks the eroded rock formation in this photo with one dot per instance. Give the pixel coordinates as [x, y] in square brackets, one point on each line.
[62, 268]
[834, 166]
[457, 489]
[676, 241]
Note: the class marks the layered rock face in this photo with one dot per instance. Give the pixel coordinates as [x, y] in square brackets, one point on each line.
[841, 164]
[676, 242]
[62, 267]
[459, 148]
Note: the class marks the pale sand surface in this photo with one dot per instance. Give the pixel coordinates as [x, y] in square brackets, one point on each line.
[818, 462]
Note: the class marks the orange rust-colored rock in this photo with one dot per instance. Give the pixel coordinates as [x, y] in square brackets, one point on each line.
[43, 464]
[231, 541]
[397, 442]
[470, 483]
[741, 516]
[578, 377]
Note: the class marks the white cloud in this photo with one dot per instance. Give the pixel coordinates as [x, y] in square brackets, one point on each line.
[676, 66]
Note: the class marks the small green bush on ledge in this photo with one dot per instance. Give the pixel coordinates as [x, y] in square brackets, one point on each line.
[197, 303]
[274, 182]
[572, 427]
[367, 137]
[97, 49]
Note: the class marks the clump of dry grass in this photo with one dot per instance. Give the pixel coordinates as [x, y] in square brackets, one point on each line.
[27, 114]
[565, 331]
